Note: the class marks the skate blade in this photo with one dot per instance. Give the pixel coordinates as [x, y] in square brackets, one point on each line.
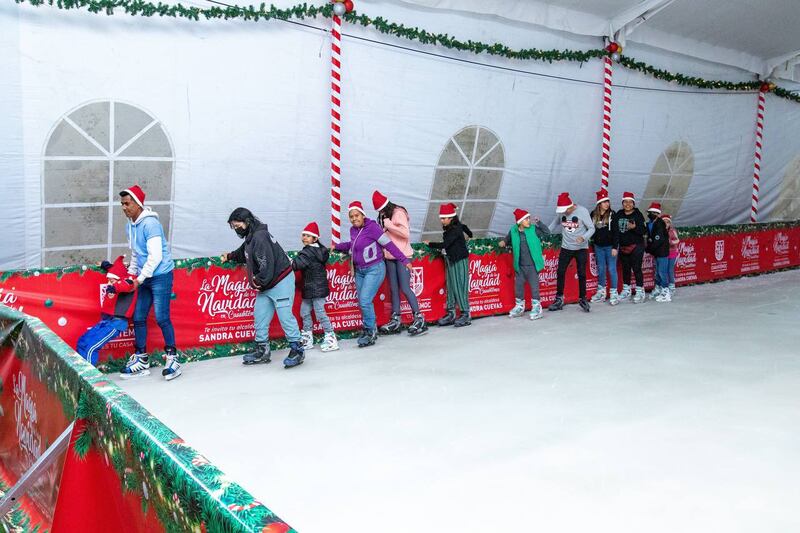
[176, 374]
[135, 375]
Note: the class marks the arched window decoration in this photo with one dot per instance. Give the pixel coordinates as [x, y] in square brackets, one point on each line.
[788, 205]
[92, 153]
[670, 179]
[469, 174]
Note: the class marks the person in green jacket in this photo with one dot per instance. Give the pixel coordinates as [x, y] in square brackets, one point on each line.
[526, 244]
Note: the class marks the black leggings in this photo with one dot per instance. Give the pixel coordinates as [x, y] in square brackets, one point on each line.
[633, 261]
[564, 259]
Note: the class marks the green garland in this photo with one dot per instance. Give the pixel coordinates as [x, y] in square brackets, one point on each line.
[382, 25]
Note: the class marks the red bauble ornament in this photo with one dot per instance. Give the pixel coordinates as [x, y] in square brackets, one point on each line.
[348, 5]
[765, 87]
[612, 47]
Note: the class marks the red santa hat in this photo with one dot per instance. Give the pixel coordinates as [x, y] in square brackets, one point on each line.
[520, 215]
[564, 202]
[447, 210]
[655, 207]
[628, 196]
[117, 269]
[312, 229]
[379, 201]
[666, 216]
[137, 194]
[602, 196]
[355, 204]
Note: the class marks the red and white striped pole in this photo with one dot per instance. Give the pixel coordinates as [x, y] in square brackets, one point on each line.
[608, 71]
[336, 129]
[757, 160]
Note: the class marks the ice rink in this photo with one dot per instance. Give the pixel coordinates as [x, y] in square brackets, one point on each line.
[659, 417]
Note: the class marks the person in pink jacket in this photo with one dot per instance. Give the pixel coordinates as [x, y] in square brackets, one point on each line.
[394, 221]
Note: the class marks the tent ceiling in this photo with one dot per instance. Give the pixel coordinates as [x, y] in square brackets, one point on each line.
[749, 34]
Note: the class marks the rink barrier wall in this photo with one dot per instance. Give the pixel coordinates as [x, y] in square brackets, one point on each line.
[212, 304]
[124, 470]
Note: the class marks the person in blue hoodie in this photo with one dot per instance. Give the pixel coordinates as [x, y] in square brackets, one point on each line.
[151, 263]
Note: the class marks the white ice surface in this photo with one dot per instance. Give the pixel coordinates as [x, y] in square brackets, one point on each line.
[681, 417]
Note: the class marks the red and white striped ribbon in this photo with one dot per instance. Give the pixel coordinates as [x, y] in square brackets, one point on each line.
[336, 130]
[757, 160]
[607, 65]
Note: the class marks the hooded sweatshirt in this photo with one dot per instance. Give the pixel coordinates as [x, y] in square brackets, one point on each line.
[398, 231]
[365, 243]
[631, 236]
[150, 255]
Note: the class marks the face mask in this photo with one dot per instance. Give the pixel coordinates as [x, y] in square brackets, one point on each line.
[652, 216]
[241, 232]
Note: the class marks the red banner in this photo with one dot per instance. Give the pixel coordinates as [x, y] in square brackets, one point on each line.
[213, 305]
[31, 419]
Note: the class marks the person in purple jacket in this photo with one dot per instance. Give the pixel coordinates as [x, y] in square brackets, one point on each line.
[366, 245]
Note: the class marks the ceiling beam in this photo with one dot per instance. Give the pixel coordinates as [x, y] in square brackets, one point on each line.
[783, 66]
[626, 21]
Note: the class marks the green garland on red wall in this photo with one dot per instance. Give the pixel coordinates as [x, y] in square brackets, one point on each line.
[302, 11]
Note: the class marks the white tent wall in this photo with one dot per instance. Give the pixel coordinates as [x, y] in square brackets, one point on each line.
[245, 108]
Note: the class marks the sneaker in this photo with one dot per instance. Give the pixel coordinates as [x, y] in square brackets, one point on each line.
[418, 326]
[463, 320]
[138, 365]
[261, 354]
[584, 305]
[172, 368]
[518, 309]
[557, 305]
[296, 355]
[307, 338]
[367, 338]
[600, 295]
[448, 319]
[536, 310]
[329, 342]
[393, 326]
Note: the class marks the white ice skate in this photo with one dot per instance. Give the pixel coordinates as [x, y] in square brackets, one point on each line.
[329, 343]
[307, 339]
[626, 292]
[613, 298]
[639, 296]
[518, 309]
[664, 296]
[655, 292]
[600, 295]
[536, 310]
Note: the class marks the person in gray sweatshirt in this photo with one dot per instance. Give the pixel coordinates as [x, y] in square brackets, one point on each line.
[576, 231]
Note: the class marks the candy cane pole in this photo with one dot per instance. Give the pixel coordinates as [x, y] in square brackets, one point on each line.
[757, 160]
[607, 67]
[336, 130]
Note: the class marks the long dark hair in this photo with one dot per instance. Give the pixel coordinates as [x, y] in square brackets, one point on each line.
[388, 211]
[603, 219]
[241, 214]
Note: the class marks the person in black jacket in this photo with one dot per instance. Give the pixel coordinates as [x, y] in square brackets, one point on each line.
[268, 271]
[630, 222]
[658, 247]
[606, 248]
[311, 261]
[457, 265]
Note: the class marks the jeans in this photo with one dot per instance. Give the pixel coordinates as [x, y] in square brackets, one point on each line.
[400, 280]
[564, 259]
[671, 277]
[606, 261]
[368, 281]
[279, 299]
[633, 261]
[662, 271]
[318, 305]
[153, 292]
